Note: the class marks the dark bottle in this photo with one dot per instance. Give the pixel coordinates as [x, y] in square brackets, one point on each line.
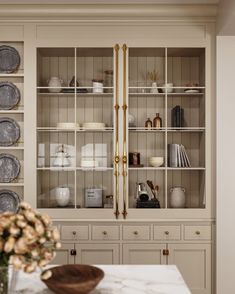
[72, 82]
[148, 123]
[157, 121]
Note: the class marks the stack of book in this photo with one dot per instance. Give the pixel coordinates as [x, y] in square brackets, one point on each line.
[177, 156]
[177, 117]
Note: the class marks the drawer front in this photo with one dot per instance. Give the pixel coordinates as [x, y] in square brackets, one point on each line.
[105, 232]
[167, 233]
[136, 232]
[74, 233]
[197, 232]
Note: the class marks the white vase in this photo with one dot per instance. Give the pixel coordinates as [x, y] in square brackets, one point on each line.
[53, 83]
[62, 196]
[177, 197]
[154, 88]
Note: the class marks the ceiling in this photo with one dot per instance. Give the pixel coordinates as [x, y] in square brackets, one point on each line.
[109, 1]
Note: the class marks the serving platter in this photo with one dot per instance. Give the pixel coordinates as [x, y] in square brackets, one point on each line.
[9, 131]
[9, 168]
[9, 95]
[9, 59]
[9, 201]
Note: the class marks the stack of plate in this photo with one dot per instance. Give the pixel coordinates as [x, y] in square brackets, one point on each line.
[93, 125]
[67, 125]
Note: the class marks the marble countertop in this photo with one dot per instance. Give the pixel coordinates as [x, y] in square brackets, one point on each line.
[121, 279]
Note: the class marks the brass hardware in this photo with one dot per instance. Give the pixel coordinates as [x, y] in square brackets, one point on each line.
[73, 252]
[124, 157]
[197, 232]
[104, 233]
[165, 252]
[74, 233]
[135, 233]
[116, 107]
[166, 232]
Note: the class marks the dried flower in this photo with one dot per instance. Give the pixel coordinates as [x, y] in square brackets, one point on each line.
[31, 267]
[39, 227]
[55, 234]
[58, 245]
[154, 75]
[21, 246]
[9, 245]
[46, 275]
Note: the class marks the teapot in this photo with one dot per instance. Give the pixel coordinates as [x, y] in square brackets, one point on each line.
[61, 159]
[53, 83]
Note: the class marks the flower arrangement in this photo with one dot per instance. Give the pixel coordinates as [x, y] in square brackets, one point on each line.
[27, 240]
[154, 75]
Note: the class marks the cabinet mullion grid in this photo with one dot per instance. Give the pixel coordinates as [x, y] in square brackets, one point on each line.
[75, 133]
[165, 133]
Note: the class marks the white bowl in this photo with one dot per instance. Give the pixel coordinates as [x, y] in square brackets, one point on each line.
[156, 161]
[167, 88]
[93, 125]
[67, 125]
[89, 163]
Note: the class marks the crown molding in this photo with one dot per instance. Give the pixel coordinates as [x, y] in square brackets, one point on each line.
[106, 12]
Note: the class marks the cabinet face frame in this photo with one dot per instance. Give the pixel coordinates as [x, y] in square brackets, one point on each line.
[66, 249]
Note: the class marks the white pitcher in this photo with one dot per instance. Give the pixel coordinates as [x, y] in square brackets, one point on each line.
[55, 82]
[177, 197]
[62, 196]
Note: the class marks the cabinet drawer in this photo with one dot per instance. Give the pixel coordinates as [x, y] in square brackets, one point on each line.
[197, 232]
[167, 233]
[105, 232]
[74, 233]
[136, 232]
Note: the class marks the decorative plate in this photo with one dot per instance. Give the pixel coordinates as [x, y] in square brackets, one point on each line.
[9, 168]
[9, 201]
[9, 95]
[9, 131]
[9, 59]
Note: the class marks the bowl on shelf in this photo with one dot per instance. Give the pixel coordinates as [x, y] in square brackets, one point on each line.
[156, 161]
[74, 279]
[93, 125]
[67, 125]
[89, 163]
[168, 88]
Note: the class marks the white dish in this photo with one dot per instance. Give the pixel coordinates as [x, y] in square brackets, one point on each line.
[191, 91]
[93, 125]
[67, 125]
[167, 88]
[89, 163]
[156, 161]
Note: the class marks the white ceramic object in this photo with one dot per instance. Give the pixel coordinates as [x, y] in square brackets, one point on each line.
[62, 196]
[154, 88]
[62, 158]
[177, 197]
[56, 84]
[89, 163]
[67, 125]
[131, 120]
[98, 87]
[93, 125]
[167, 88]
[156, 161]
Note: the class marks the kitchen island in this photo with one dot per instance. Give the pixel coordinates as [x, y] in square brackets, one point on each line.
[121, 279]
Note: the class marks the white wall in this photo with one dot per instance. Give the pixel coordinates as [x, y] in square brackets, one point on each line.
[225, 165]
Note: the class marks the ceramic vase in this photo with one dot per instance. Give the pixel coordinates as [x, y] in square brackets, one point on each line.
[62, 196]
[177, 197]
[55, 84]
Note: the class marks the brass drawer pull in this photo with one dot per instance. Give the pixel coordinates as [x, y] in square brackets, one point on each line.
[197, 232]
[74, 233]
[105, 233]
[167, 232]
[135, 233]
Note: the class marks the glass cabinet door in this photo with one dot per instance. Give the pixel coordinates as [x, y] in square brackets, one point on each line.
[166, 128]
[75, 128]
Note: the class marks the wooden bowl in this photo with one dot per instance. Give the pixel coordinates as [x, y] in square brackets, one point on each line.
[74, 279]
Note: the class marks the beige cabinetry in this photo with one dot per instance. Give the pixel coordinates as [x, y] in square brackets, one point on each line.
[194, 263]
[97, 253]
[65, 255]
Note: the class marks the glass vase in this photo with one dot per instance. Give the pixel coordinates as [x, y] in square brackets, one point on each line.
[8, 280]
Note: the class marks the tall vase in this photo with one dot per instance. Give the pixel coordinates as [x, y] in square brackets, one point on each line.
[8, 280]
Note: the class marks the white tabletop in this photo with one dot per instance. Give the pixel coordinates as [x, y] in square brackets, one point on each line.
[121, 279]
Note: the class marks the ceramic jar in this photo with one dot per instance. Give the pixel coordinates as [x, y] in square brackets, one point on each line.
[177, 197]
[53, 83]
[154, 88]
[62, 196]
